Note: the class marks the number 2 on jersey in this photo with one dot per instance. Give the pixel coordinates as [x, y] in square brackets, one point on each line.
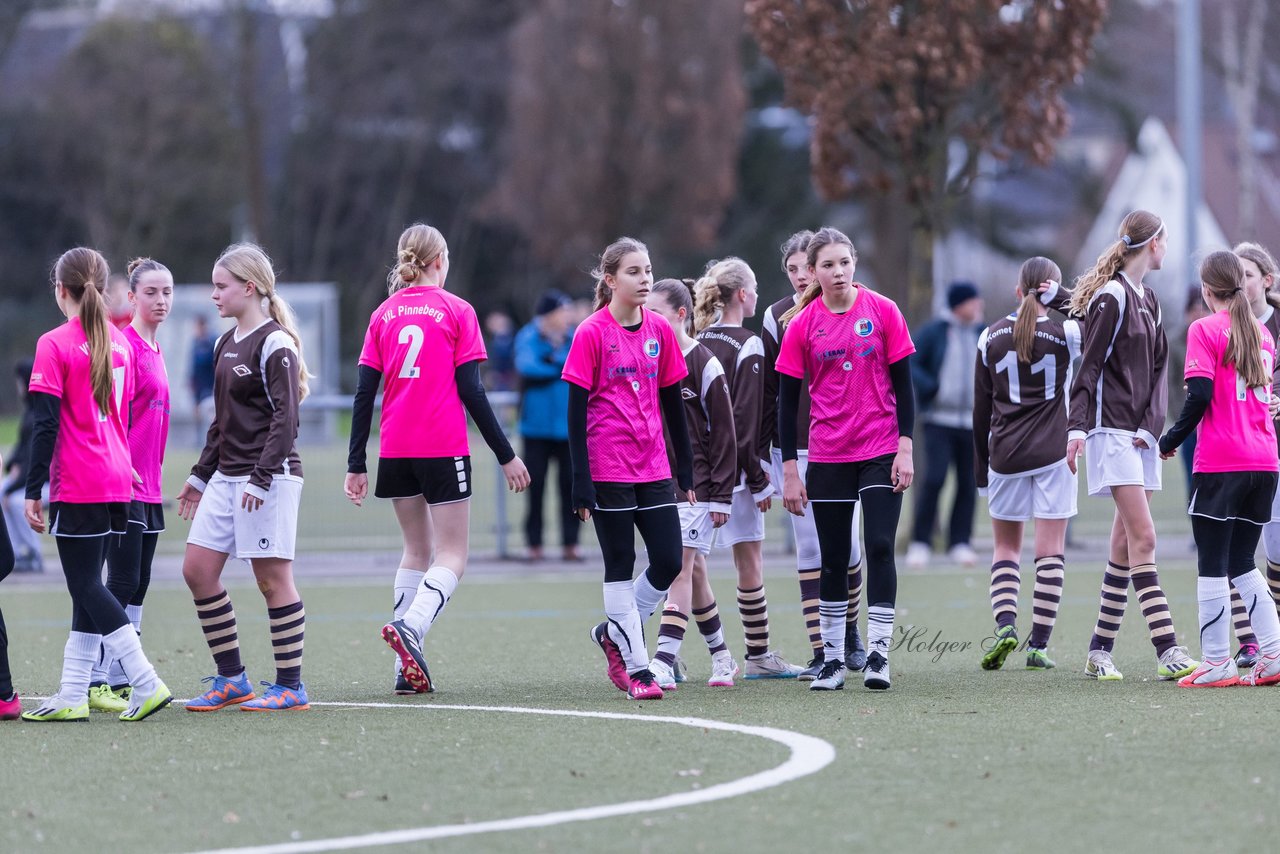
[1047, 366]
[413, 336]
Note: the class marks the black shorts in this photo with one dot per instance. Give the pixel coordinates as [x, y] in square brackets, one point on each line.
[440, 480]
[149, 516]
[1230, 496]
[87, 520]
[611, 495]
[846, 481]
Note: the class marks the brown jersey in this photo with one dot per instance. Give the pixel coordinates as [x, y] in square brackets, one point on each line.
[255, 395]
[708, 413]
[1020, 409]
[741, 354]
[1121, 386]
[771, 335]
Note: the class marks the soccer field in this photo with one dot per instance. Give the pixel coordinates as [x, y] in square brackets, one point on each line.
[951, 758]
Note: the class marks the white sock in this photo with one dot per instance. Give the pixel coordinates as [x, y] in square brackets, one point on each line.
[438, 584]
[647, 596]
[1214, 598]
[124, 645]
[78, 657]
[624, 624]
[406, 588]
[879, 629]
[115, 674]
[831, 619]
[101, 665]
[1253, 589]
[134, 613]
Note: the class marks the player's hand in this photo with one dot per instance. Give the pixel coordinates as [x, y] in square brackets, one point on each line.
[356, 487]
[188, 501]
[1273, 406]
[584, 514]
[249, 501]
[1139, 442]
[719, 520]
[903, 471]
[1075, 448]
[1168, 455]
[691, 496]
[764, 504]
[517, 475]
[33, 509]
[794, 496]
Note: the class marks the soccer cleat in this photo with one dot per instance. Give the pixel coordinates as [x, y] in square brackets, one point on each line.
[225, 692]
[643, 686]
[770, 665]
[856, 654]
[814, 666]
[278, 698]
[1100, 666]
[1265, 672]
[876, 674]
[103, 699]
[57, 710]
[963, 554]
[403, 687]
[1037, 660]
[407, 645]
[1176, 663]
[664, 674]
[11, 709]
[614, 665]
[1223, 674]
[124, 692]
[143, 706]
[918, 555]
[1247, 656]
[681, 670]
[723, 669]
[830, 677]
[1006, 641]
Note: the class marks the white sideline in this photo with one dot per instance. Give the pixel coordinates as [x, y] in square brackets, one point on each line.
[808, 756]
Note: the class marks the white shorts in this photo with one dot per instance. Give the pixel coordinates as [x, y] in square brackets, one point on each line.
[222, 525]
[808, 554]
[1048, 493]
[746, 522]
[1111, 459]
[696, 528]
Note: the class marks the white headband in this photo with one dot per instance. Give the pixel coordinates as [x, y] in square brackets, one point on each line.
[1128, 241]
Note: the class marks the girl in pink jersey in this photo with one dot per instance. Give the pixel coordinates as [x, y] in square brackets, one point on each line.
[243, 493]
[1230, 357]
[129, 557]
[624, 370]
[82, 377]
[852, 345]
[424, 346]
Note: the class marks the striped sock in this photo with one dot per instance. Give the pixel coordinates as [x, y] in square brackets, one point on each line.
[1006, 582]
[809, 584]
[1045, 599]
[671, 634]
[832, 615]
[709, 626]
[287, 623]
[1273, 582]
[754, 610]
[1155, 607]
[218, 622]
[855, 594]
[1240, 620]
[1115, 597]
[880, 628]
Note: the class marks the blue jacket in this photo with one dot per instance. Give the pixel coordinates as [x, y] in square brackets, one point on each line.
[926, 364]
[544, 398]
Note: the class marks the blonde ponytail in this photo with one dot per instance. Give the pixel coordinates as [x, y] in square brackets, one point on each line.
[707, 303]
[811, 293]
[1137, 230]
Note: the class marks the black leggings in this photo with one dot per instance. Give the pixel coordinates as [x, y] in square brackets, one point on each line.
[6, 567]
[129, 559]
[833, 520]
[1224, 548]
[93, 609]
[659, 527]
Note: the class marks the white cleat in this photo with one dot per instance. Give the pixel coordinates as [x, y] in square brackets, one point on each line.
[918, 555]
[1100, 666]
[770, 665]
[723, 669]
[876, 674]
[664, 673]
[830, 677]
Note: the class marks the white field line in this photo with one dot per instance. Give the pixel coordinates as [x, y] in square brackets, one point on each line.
[808, 756]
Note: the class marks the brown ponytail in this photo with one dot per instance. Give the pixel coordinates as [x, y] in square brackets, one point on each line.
[1034, 271]
[1223, 277]
[83, 273]
[822, 238]
[610, 260]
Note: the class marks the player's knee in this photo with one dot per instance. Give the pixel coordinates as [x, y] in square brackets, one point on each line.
[265, 586]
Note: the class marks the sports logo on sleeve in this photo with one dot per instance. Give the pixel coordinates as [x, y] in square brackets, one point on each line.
[651, 348]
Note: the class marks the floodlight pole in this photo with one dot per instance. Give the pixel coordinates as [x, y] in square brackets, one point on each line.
[1190, 117]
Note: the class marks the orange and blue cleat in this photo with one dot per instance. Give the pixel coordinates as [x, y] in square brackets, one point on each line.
[279, 698]
[225, 692]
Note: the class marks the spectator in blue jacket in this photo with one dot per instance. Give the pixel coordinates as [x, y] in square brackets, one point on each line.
[541, 347]
[942, 373]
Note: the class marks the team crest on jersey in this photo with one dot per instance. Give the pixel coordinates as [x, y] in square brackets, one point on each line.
[651, 348]
[864, 327]
[242, 370]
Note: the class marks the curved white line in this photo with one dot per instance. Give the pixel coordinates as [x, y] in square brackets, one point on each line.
[808, 756]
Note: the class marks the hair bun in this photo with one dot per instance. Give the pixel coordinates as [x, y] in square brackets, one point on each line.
[408, 271]
[133, 265]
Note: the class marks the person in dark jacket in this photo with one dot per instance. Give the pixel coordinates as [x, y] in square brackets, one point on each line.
[541, 347]
[26, 542]
[942, 372]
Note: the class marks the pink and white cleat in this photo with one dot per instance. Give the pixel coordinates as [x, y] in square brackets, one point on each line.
[723, 669]
[615, 666]
[1211, 674]
[1265, 672]
[644, 686]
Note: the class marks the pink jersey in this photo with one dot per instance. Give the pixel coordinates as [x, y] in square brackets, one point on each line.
[622, 372]
[1236, 432]
[847, 357]
[91, 456]
[416, 339]
[148, 417]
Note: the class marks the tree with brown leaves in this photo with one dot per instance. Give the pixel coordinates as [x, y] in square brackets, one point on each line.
[907, 99]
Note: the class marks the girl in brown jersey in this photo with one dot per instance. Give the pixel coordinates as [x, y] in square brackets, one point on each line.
[1118, 403]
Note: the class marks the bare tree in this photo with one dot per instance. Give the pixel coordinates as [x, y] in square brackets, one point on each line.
[1242, 75]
